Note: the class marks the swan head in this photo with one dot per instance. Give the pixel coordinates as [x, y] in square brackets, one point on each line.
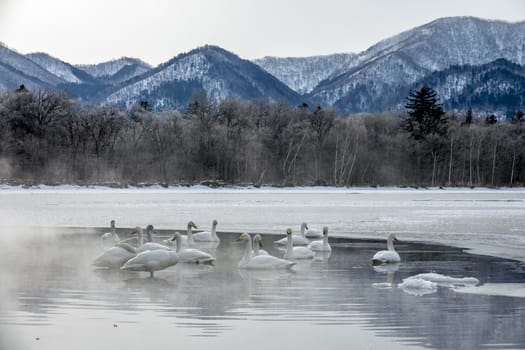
[245, 236]
[257, 239]
[214, 223]
[392, 237]
[325, 231]
[176, 236]
[192, 224]
[288, 231]
[149, 228]
[112, 224]
[138, 230]
[304, 225]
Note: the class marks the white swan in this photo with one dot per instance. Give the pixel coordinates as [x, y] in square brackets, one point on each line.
[296, 252]
[311, 233]
[148, 245]
[188, 239]
[110, 238]
[387, 256]
[151, 260]
[191, 255]
[322, 245]
[207, 236]
[116, 256]
[257, 245]
[260, 262]
[296, 239]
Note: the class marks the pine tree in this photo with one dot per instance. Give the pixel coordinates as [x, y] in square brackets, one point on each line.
[425, 114]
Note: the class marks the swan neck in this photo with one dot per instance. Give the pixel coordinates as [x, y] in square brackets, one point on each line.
[179, 244]
[256, 248]
[214, 231]
[390, 244]
[189, 234]
[303, 228]
[148, 233]
[325, 240]
[141, 239]
[247, 251]
[289, 247]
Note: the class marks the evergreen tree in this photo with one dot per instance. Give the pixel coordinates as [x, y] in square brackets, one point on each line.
[491, 119]
[425, 114]
[468, 117]
[518, 117]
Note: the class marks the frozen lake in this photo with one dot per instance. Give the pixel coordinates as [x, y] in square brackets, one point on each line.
[487, 221]
[52, 298]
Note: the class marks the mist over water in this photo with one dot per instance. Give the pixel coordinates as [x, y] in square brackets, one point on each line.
[51, 297]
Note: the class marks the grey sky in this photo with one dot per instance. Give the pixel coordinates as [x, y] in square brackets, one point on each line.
[90, 31]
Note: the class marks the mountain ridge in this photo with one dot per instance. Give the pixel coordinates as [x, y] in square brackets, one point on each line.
[366, 81]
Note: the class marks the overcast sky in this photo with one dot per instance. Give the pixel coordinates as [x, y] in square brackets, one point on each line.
[91, 31]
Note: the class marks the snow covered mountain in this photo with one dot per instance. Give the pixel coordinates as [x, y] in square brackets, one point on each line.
[65, 71]
[406, 58]
[498, 86]
[16, 69]
[116, 71]
[303, 74]
[219, 73]
[453, 55]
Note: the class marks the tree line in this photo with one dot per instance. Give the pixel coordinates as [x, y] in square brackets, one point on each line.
[47, 137]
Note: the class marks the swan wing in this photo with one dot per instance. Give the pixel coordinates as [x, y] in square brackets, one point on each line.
[150, 260]
[194, 256]
[204, 236]
[268, 262]
[386, 256]
[114, 257]
[303, 253]
[153, 246]
[313, 234]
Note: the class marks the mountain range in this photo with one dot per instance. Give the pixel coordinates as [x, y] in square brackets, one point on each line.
[470, 62]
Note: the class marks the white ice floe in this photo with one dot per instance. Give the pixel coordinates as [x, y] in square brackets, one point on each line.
[426, 283]
[445, 281]
[516, 290]
[418, 286]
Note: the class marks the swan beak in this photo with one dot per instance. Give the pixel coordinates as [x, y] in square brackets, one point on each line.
[396, 240]
[241, 238]
[194, 226]
[133, 233]
[306, 227]
[260, 244]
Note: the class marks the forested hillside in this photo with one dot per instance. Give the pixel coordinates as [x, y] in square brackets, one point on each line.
[46, 137]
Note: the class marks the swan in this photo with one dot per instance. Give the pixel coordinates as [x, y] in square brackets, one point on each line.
[207, 236]
[260, 262]
[387, 256]
[151, 260]
[296, 252]
[111, 238]
[296, 239]
[188, 239]
[311, 233]
[147, 245]
[257, 245]
[322, 245]
[191, 255]
[116, 256]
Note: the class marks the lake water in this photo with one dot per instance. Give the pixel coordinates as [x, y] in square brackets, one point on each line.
[52, 298]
